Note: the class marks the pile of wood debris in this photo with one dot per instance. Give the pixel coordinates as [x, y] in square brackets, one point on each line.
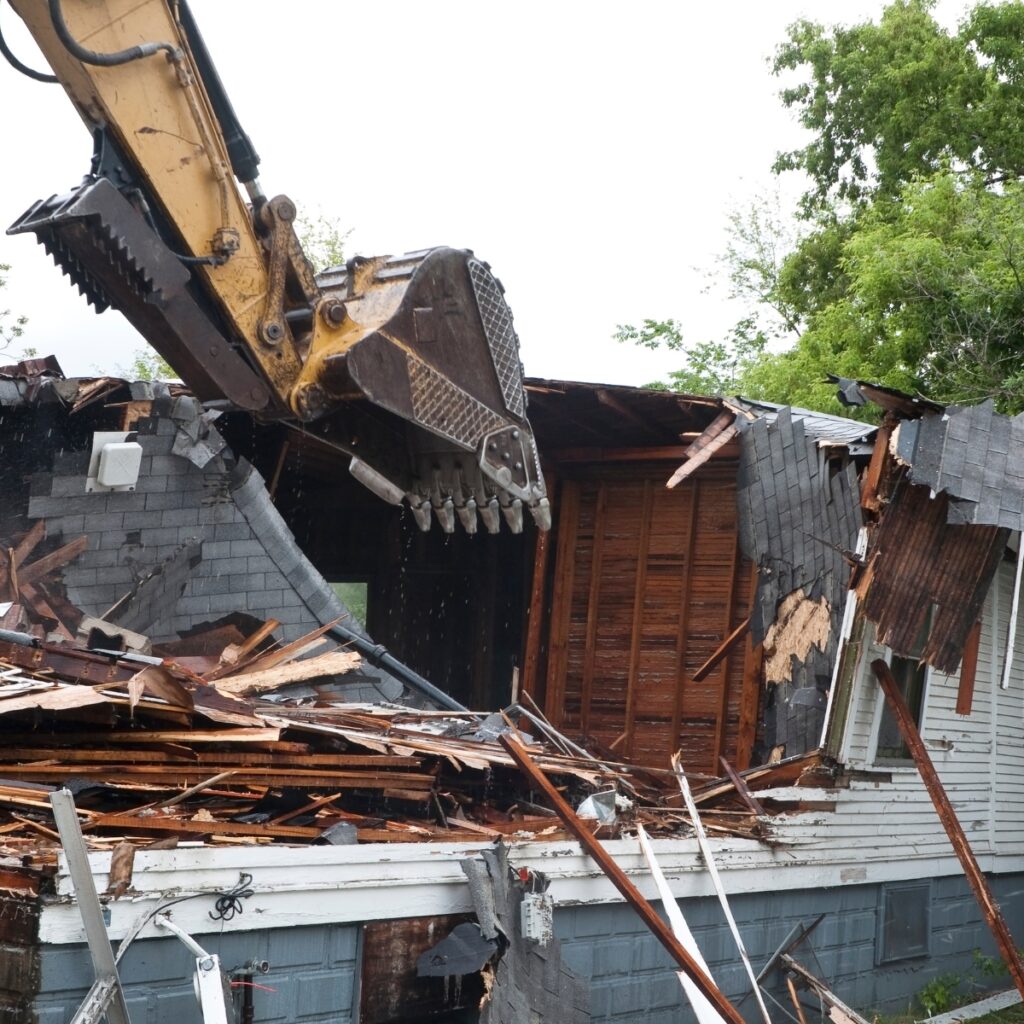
[183, 747]
[206, 739]
[154, 750]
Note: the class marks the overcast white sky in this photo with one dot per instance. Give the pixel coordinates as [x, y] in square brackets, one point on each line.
[590, 152]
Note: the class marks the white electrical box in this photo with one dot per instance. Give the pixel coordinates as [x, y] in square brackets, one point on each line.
[119, 464]
[537, 917]
[114, 463]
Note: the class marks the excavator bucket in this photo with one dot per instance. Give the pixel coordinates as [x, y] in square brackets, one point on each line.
[429, 338]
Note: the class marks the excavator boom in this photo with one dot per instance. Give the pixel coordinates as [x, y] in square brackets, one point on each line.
[408, 364]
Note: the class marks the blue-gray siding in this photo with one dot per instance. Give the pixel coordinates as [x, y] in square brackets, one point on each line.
[313, 969]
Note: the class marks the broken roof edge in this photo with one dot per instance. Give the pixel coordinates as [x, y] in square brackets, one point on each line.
[851, 392]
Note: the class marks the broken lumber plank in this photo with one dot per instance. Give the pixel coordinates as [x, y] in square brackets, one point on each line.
[716, 881]
[335, 663]
[54, 560]
[621, 881]
[703, 1010]
[188, 776]
[235, 653]
[703, 449]
[242, 734]
[845, 1014]
[246, 759]
[950, 822]
[968, 671]
[28, 543]
[741, 788]
[160, 823]
[284, 654]
[723, 649]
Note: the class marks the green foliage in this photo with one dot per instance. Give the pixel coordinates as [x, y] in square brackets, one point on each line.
[322, 240]
[903, 263]
[147, 364]
[893, 100]
[354, 596]
[11, 327]
[711, 367]
[991, 967]
[940, 994]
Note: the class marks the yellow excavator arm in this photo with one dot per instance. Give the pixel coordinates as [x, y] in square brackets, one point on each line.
[409, 364]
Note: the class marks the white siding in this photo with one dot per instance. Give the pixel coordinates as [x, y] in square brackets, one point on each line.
[886, 814]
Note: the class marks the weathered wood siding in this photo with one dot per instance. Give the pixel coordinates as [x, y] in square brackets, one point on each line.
[647, 583]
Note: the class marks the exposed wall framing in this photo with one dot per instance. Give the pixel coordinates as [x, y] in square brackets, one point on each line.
[647, 584]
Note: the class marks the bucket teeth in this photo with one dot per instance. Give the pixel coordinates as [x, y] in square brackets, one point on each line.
[513, 514]
[467, 516]
[71, 267]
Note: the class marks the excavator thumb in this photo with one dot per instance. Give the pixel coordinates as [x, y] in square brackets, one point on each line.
[111, 253]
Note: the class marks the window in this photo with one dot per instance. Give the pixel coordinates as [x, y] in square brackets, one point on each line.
[354, 596]
[904, 921]
[911, 675]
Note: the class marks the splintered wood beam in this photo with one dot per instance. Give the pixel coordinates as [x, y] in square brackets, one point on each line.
[968, 671]
[610, 401]
[529, 681]
[28, 543]
[713, 440]
[741, 788]
[723, 649]
[54, 560]
[750, 688]
[620, 880]
[156, 823]
[870, 500]
[989, 908]
[561, 602]
[646, 453]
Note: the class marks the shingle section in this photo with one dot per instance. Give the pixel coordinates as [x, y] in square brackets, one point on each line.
[976, 456]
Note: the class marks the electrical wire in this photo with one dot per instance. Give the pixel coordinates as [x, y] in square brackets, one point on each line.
[232, 898]
[38, 76]
[104, 60]
[229, 903]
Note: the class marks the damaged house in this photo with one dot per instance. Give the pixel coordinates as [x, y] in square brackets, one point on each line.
[375, 854]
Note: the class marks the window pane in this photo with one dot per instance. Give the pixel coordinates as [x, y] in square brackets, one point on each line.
[353, 596]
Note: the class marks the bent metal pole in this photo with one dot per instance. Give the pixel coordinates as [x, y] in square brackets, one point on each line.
[620, 880]
[961, 847]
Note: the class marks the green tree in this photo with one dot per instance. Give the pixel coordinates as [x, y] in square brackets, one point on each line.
[148, 364]
[322, 240]
[892, 101]
[902, 263]
[12, 327]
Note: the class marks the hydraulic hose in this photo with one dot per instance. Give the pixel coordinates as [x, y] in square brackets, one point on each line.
[38, 76]
[104, 60]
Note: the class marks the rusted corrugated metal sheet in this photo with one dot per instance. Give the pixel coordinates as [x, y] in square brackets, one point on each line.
[919, 561]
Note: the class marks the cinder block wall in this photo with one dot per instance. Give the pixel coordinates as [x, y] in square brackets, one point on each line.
[250, 561]
[312, 975]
